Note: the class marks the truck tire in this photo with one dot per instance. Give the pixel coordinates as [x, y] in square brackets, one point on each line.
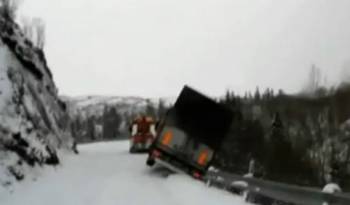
[150, 162]
[132, 150]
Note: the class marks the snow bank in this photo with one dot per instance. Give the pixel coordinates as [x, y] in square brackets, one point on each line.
[332, 188]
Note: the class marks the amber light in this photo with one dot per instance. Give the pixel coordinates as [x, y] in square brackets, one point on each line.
[167, 138]
[202, 159]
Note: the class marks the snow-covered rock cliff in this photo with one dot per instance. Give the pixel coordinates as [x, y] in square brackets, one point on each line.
[33, 120]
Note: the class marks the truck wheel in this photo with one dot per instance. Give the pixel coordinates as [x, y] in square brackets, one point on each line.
[150, 162]
[132, 150]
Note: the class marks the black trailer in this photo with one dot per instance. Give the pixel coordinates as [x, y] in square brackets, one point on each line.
[190, 133]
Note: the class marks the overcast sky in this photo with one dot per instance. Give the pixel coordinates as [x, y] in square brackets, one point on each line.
[153, 47]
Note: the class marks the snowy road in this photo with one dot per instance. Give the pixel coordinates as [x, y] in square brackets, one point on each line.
[106, 174]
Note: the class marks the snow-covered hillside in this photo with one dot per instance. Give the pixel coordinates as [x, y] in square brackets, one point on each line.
[105, 117]
[94, 105]
[33, 120]
[106, 174]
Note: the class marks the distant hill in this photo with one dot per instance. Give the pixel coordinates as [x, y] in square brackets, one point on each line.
[97, 118]
[94, 105]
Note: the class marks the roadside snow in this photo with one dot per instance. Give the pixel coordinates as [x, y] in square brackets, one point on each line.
[332, 188]
[106, 174]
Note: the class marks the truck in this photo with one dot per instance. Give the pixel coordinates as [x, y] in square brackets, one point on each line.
[190, 134]
[142, 134]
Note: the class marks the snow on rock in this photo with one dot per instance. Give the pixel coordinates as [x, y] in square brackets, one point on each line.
[346, 125]
[106, 174]
[332, 188]
[347, 122]
[240, 184]
[33, 120]
[213, 169]
[249, 175]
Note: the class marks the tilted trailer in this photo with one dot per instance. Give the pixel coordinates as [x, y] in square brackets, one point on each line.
[190, 134]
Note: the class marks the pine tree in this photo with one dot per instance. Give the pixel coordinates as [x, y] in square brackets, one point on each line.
[150, 109]
[161, 109]
[111, 123]
[280, 158]
[91, 128]
[257, 95]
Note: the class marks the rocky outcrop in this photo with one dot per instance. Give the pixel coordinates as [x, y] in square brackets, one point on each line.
[33, 120]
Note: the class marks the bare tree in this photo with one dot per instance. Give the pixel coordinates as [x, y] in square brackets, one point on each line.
[39, 27]
[8, 8]
[314, 81]
[27, 27]
[34, 30]
[345, 74]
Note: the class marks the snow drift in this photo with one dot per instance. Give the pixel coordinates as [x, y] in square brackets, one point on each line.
[33, 120]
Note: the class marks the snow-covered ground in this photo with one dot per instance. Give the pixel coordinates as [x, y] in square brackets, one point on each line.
[106, 174]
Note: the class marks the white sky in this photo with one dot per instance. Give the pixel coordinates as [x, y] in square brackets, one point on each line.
[153, 47]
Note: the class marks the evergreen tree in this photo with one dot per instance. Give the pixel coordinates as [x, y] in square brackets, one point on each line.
[150, 109]
[161, 108]
[111, 123]
[280, 158]
[257, 95]
[90, 128]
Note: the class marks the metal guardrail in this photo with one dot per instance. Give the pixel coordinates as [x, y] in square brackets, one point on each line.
[278, 191]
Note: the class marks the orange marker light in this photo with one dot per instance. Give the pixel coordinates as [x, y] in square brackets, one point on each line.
[167, 138]
[202, 159]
